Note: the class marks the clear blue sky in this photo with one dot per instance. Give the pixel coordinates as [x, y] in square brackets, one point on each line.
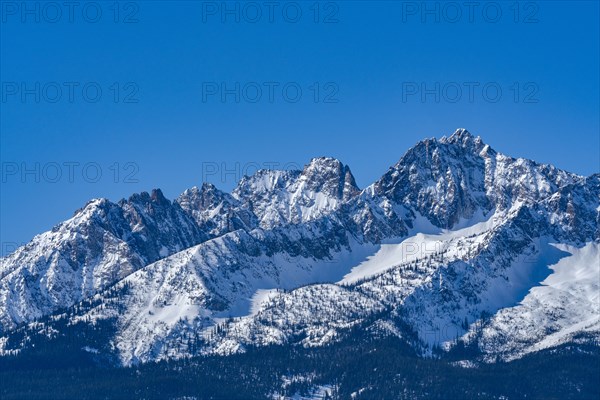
[371, 58]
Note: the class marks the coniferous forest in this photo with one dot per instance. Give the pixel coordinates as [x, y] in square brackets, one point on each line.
[358, 367]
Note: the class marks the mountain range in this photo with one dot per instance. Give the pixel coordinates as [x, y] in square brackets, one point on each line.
[456, 246]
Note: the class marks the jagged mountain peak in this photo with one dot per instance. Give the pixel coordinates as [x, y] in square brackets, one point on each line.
[205, 187]
[92, 205]
[323, 163]
[318, 172]
[205, 197]
[278, 197]
[443, 180]
[459, 144]
[331, 176]
[453, 178]
[264, 180]
[459, 135]
[156, 196]
[270, 198]
[466, 140]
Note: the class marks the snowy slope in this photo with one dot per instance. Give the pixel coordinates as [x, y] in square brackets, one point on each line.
[565, 304]
[195, 288]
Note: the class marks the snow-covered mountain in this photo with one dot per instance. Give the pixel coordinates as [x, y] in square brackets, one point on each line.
[105, 242]
[271, 198]
[101, 244]
[454, 244]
